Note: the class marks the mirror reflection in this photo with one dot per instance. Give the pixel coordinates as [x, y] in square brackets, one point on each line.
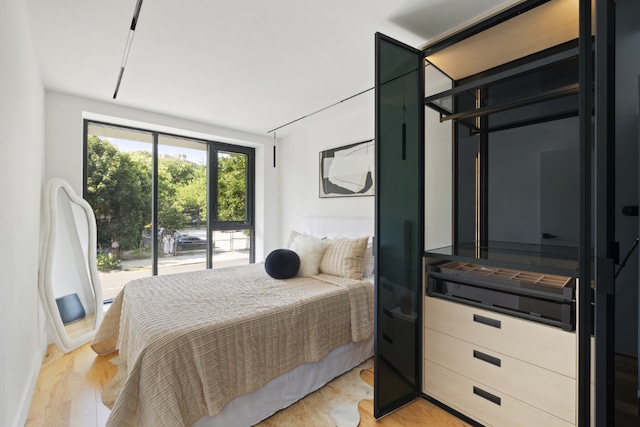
[69, 287]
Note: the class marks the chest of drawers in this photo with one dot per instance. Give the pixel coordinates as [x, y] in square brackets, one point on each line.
[498, 369]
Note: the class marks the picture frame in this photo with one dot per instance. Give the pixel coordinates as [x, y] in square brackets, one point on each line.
[348, 170]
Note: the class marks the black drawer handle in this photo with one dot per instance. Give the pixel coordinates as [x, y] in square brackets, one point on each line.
[486, 395]
[486, 358]
[487, 321]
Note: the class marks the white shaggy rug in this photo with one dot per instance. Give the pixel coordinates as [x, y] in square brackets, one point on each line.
[335, 404]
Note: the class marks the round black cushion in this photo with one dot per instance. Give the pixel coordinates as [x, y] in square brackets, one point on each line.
[282, 264]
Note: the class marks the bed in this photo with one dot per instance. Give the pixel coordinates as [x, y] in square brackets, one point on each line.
[232, 346]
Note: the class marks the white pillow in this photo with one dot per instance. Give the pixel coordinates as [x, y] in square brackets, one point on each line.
[310, 250]
[292, 236]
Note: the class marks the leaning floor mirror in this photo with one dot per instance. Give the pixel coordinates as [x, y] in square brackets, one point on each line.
[69, 287]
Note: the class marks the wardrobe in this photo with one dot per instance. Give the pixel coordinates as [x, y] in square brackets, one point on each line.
[494, 222]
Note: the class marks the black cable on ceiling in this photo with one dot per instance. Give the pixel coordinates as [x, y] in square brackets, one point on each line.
[322, 109]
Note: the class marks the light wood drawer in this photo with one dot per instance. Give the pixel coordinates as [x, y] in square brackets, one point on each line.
[542, 345]
[481, 403]
[539, 387]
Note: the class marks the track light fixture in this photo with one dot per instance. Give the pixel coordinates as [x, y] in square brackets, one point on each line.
[127, 48]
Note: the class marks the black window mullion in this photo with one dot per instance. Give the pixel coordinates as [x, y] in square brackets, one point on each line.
[154, 205]
[251, 205]
[85, 156]
[212, 206]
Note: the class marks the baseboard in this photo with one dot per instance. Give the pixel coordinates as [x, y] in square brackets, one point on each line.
[25, 401]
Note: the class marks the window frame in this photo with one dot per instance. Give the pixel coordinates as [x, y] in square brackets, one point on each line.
[213, 148]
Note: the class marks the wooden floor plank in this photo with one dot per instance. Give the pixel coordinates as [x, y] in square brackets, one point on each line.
[420, 412]
[68, 389]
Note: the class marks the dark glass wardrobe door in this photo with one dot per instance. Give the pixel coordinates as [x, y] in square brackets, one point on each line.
[399, 223]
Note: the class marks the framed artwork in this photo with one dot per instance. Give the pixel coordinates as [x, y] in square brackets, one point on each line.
[348, 170]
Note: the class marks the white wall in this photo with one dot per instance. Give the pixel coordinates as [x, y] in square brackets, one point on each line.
[438, 158]
[21, 179]
[64, 151]
[298, 161]
[346, 123]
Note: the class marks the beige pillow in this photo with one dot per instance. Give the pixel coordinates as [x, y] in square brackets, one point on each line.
[344, 257]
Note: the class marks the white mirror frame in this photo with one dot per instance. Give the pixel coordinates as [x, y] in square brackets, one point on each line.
[76, 266]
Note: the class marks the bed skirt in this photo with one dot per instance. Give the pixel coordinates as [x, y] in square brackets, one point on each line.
[283, 391]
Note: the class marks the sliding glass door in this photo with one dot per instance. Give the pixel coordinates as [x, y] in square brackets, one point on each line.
[166, 203]
[118, 186]
[182, 189]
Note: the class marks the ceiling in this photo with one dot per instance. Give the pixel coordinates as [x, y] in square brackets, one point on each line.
[250, 65]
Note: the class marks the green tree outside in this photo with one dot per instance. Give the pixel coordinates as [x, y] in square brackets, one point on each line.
[119, 190]
[192, 197]
[232, 185]
[172, 175]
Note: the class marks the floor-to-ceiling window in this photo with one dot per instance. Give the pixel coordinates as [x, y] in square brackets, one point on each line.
[165, 203]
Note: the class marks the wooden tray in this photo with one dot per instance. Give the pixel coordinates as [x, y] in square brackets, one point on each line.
[458, 268]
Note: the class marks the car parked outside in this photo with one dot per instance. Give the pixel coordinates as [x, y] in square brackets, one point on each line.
[186, 242]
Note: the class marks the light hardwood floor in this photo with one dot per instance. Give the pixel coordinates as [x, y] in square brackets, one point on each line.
[68, 392]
